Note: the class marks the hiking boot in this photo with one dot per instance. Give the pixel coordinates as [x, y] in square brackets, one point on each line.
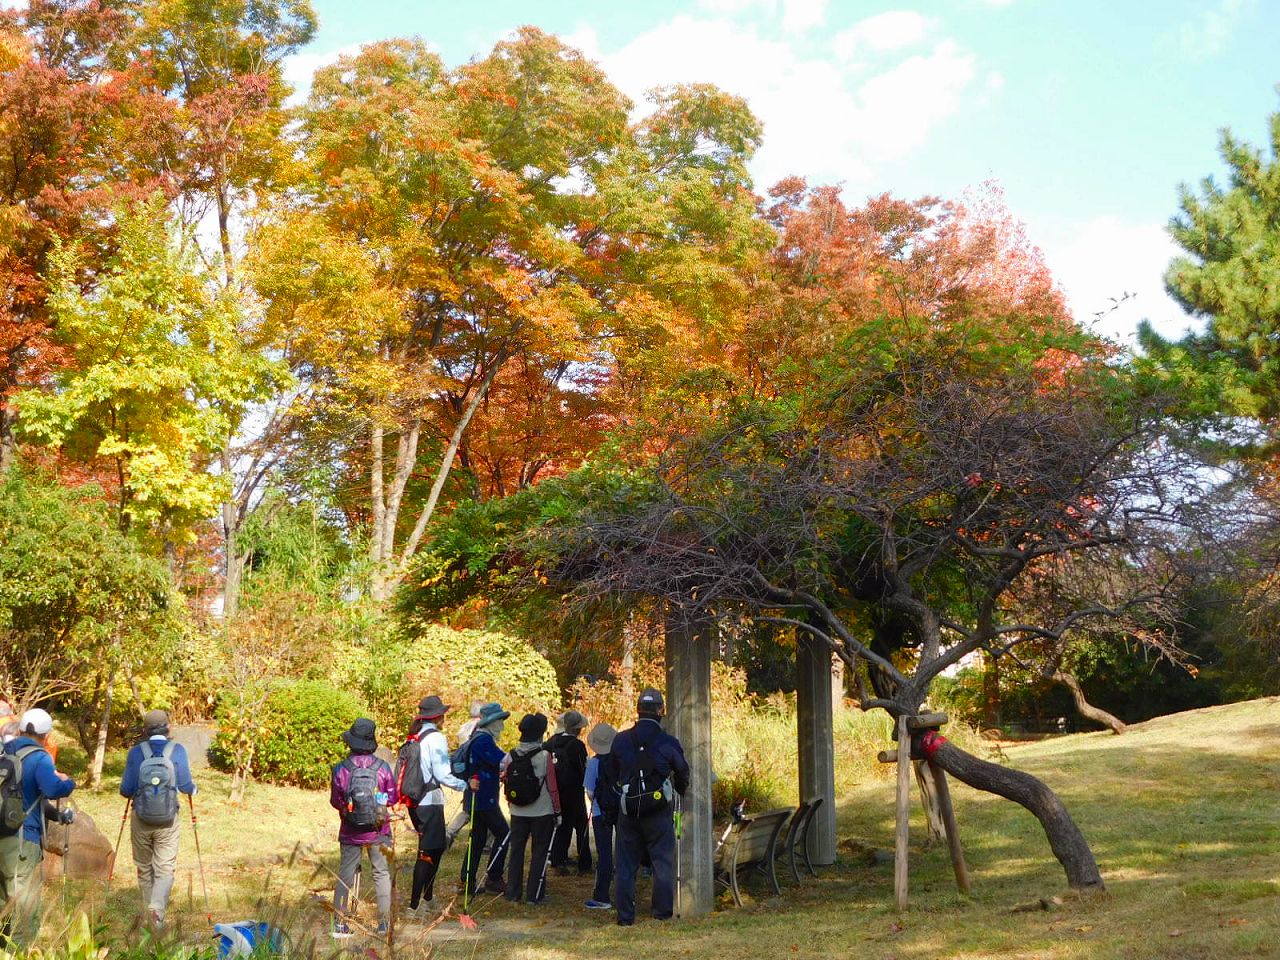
[494, 885]
[598, 905]
[340, 930]
[561, 871]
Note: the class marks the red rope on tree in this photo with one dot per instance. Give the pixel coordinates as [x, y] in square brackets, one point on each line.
[931, 743]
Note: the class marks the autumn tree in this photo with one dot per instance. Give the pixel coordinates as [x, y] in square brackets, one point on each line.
[79, 134]
[155, 366]
[501, 218]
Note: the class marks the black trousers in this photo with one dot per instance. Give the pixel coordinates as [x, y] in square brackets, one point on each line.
[487, 823]
[429, 823]
[655, 836]
[571, 828]
[522, 829]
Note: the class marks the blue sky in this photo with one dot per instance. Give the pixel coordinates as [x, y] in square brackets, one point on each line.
[1088, 113]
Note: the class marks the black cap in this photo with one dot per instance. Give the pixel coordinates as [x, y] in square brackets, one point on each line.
[532, 727]
[650, 702]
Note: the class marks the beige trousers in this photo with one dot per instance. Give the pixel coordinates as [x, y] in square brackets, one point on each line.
[155, 854]
[20, 880]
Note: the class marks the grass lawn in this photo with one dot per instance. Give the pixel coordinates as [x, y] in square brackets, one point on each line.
[1183, 813]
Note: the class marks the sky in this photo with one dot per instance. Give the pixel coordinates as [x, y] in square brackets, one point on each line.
[1088, 113]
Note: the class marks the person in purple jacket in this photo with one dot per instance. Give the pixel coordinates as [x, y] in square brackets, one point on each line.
[362, 790]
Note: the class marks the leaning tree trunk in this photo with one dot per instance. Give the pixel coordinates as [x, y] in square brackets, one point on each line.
[1084, 707]
[1065, 838]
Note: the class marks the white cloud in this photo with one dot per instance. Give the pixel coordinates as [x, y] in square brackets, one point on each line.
[799, 16]
[883, 32]
[1208, 34]
[825, 119]
[1108, 257]
[301, 67]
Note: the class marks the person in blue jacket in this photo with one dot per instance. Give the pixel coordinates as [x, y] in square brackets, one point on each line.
[649, 750]
[484, 767]
[155, 844]
[22, 853]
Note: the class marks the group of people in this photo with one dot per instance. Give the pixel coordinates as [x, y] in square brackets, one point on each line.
[31, 791]
[624, 793]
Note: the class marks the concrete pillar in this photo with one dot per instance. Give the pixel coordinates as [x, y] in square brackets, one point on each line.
[816, 743]
[689, 719]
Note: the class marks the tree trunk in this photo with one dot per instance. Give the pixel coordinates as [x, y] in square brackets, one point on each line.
[377, 560]
[100, 751]
[991, 693]
[1084, 707]
[7, 419]
[1065, 838]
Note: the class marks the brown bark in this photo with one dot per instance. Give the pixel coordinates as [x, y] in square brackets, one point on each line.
[1065, 839]
[1084, 707]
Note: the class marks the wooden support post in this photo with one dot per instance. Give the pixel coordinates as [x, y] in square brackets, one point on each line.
[903, 813]
[949, 823]
[929, 800]
[689, 719]
[815, 737]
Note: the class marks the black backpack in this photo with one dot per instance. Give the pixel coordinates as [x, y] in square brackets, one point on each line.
[410, 785]
[361, 809]
[645, 791]
[523, 786]
[12, 810]
[155, 800]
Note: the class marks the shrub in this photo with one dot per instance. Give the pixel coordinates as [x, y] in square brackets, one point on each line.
[298, 733]
[457, 665]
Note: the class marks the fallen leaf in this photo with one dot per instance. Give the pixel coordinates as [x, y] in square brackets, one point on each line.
[1085, 929]
[1175, 933]
[467, 922]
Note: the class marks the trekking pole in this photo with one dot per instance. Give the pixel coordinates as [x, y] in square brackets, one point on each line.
[542, 883]
[120, 836]
[66, 850]
[679, 866]
[195, 831]
[467, 881]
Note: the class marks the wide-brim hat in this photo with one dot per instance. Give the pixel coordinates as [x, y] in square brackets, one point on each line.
[573, 722]
[491, 712]
[362, 735]
[600, 739]
[432, 706]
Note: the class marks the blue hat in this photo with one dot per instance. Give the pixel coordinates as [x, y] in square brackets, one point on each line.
[491, 712]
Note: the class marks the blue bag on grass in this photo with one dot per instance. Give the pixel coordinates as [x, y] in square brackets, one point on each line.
[247, 938]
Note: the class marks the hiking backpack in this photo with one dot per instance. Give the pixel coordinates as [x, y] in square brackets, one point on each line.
[460, 759]
[12, 810]
[646, 791]
[155, 801]
[361, 809]
[523, 786]
[410, 785]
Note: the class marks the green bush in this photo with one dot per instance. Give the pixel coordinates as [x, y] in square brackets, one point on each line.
[300, 731]
[459, 666]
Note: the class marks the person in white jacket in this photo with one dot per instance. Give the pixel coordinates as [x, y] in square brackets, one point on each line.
[464, 734]
[427, 815]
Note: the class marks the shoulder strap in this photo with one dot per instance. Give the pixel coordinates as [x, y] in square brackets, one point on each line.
[167, 752]
[23, 752]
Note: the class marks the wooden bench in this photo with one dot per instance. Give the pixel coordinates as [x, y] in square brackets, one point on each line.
[750, 842]
[798, 837]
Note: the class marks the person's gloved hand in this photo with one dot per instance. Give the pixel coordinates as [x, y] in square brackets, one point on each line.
[474, 784]
[559, 819]
[67, 816]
